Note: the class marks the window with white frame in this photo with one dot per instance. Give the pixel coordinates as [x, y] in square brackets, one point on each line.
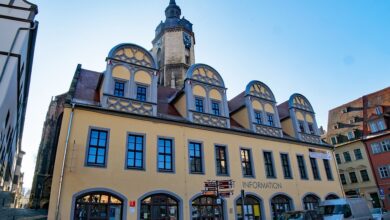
[199, 104]
[141, 93]
[311, 128]
[385, 145]
[376, 148]
[270, 118]
[384, 172]
[215, 108]
[301, 125]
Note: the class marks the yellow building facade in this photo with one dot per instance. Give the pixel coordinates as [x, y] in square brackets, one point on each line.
[131, 148]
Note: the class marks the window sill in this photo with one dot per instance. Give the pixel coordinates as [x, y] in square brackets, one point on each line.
[197, 173]
[96, 165]
[136, 168]
[166, 171]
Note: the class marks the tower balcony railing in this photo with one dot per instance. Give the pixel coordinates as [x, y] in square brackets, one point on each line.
[267, 130]
[129, 105]
[209, 119]
[311, 138]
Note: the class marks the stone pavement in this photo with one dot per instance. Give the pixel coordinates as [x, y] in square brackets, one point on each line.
[22, 214]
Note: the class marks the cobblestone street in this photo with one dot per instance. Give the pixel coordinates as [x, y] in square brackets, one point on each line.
[22, 214]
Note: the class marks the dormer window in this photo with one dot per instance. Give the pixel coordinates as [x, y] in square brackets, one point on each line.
[141, 93]
[381, 125]
[119, 89]
[378, 110]
[258, 117]
[350, 135]
[199, 105]
[301, 126]
[215, 108]
[311, 128]
[270, 118]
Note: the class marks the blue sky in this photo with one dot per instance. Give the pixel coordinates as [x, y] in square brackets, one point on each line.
[331, 51]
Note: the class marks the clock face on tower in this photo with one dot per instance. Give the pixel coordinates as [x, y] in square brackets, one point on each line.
[187, 40]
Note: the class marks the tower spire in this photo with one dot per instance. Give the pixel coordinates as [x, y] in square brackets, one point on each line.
[173, 10]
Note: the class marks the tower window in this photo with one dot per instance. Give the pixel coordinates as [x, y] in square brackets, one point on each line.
[270, 119]
[199, 104]
[141, 93]
[188, 60]
[311, 128]
[258, 117]
[119, 89]
[301, 126]
[215, 108]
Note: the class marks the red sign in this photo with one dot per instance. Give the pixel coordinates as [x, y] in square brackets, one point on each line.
[209, 193]
[132, 203]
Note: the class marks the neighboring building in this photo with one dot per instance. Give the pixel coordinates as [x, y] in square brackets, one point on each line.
[356, 173]
[361, 127]
[130, 149]
[18, 32]
[40, 189]
[377, 138]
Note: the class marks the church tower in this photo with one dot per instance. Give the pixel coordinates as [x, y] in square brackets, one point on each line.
[173, 47]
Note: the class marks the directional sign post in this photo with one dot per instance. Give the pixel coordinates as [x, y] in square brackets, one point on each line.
[219, 188]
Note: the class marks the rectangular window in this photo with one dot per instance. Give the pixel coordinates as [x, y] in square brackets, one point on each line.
[165, 155]
[270, 118]
[221, 160]
[302, 167]
[135, 152]
[342, 178]
[347, 156]
[196, 163]
[141, 93]
[119, 89]
[376, 148]
[350, 135]
[328, 170]
[373, 127]
[198, 104]
[381, 125]
[246, 162]
[311, 128]
[338, 159]
[269, 165]
[215, 108]
[258, 118]
[333, 140]
[358, 154]
[378, 110]
[314, 167]
[301, 125]
[385, 145]
[383, 172]
[286, 166]
[364, 175]
[97, 148]
[352, 177]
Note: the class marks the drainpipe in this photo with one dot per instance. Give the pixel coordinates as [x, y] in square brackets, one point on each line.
[12, 47]
[63, 162]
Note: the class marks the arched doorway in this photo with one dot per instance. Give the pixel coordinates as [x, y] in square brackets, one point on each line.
[207, 208]
[99, 206]
[252, 207]
[280, 204]
[311, 202]
[159, 207]
[331, 196]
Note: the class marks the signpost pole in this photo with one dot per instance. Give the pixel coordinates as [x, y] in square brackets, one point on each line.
[243, 203]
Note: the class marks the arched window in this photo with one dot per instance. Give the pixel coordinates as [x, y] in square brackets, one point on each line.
[251, 206]
[207, 207]
[98, 205]
[331, 196]
[159, 207]
[280, 204]
[311, 202]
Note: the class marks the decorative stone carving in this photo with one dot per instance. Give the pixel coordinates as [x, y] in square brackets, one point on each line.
[268, 130]
[310, 138]
[206, 119]
[129, 105]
